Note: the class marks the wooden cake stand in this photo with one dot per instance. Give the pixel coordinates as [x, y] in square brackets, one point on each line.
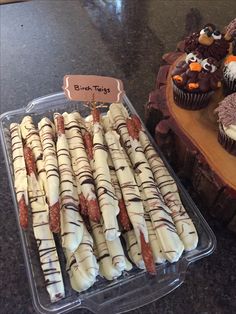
[189, 141]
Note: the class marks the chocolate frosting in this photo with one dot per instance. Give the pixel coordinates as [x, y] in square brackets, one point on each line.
[227, 110]
[218, 50]
[206, 81]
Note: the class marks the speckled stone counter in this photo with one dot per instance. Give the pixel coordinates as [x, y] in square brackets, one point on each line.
[41, 41]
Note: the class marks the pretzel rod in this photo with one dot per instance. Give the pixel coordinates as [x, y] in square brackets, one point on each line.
[82, 266]
[81, 166]
[83, 210]
[84, 256]
[43, 235]
[31, 138]
[83, 124]
[184, 225]
[147, 255]
[88, 145]
[47, 135]
[133, 249]
[153, 240]
[20, 175]
[128, 185]
[132, 197]
[154, 243]
[116, 252]
[107, 267]
[120, 162]
[160, 214]
[123, 216]
[71, 222]
[105, 191]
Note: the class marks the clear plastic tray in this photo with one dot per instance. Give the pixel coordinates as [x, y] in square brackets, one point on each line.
[133, 289]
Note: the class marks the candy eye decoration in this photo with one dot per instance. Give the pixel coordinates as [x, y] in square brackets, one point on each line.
[216, 35]
[206, 30]
[191, 57]
[202, 31]
[207, 66]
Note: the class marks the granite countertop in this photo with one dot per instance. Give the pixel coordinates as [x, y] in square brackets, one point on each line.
[41, 41]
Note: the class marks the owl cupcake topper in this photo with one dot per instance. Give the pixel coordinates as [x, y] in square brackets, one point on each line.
[209, 41]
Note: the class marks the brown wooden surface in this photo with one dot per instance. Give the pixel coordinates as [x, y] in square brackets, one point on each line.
[201, 128]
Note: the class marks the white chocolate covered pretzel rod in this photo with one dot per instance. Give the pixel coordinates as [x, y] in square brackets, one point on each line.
[47, 135]
[184, 225]
[131, 196]
[43, 235]
[154, 243]
[108, 268]
[128, 185]
[105, 191]
[163, 225]
[20, 175]
[31, 138]
[153, 239]
[82, 265]
[81, 166]
[133, 249]
[123, 216]
[72, 227]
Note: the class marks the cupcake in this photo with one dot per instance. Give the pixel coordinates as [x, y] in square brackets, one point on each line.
[229, 75]
[229, 69]
[227, 123]
[209, 41]
[194, 81]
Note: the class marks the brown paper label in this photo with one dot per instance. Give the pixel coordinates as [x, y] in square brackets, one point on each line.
[93, 88]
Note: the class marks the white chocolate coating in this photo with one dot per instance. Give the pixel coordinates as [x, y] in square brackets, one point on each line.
[154, 243]
[106, 195]
[153, 240]
[114, 179]
[160, 214]
[45, 243]
[72, 227]
[133, 249]
[106, 266]
[82, 265]
[20, 175]
[47, 134]
[128, 186]
[116, 252]
[80, 163]
[31, 136]
[184, 225]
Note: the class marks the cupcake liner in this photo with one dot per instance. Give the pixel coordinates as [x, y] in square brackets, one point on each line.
[191, 101]
[229, 83]
[228, 143]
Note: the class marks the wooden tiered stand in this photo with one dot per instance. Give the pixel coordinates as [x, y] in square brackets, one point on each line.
[188, 139]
